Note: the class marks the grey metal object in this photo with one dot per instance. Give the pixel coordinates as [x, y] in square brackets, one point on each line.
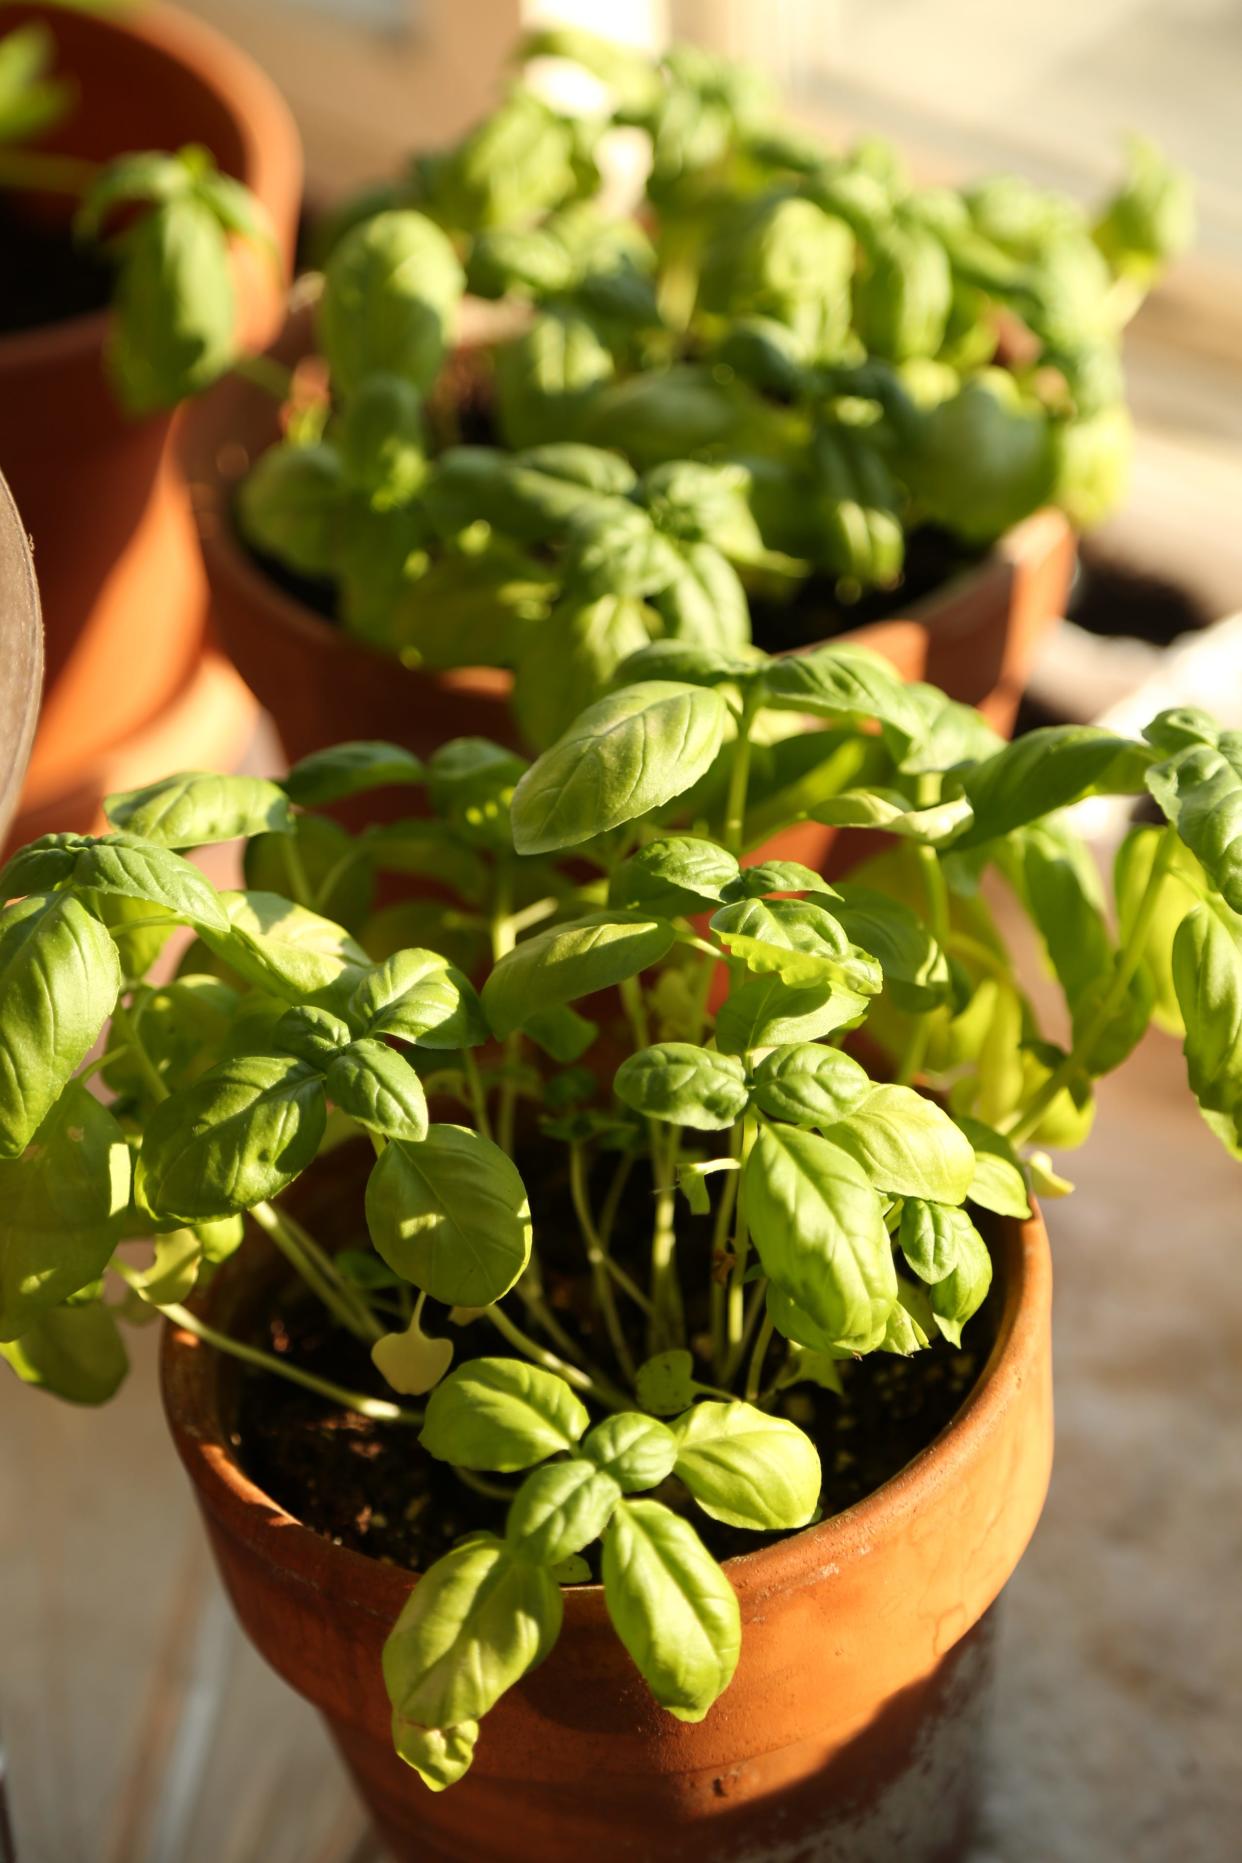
[21, 654]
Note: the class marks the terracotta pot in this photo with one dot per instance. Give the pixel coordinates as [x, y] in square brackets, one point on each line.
[21, 654]
[849, 1733]
[124, 598]
[976, 637]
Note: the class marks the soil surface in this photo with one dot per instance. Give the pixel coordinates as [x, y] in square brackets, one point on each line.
[369, 1486]
[47, 277]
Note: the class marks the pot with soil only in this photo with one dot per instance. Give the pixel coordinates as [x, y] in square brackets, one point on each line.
[133, 684]
[852, 1728]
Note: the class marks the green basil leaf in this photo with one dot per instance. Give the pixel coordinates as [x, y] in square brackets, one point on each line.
[530, 496]
[629, 753]
[933, 1237]
[291, 505]
[637, 1451]
[198, 808]
[685, 1085]
[545, 379]
[315, 1036]
[776, 876]
[174, 307]
[916, 970]
[450, 1215]
[799, 941]
[766, 1012]
[45, 863]
[1055, 877]
[74, 1352]
[382, 444]
[390, 289]
[351, 770]
[911, 1324]
[809, 1085]
[560, 1509]
[171, 1276]
[674, 876]
[428, 849]
[1180, 892]
[618, 550]
[1207, 975]
[570, 961]
[807, 1335]
[1200, 793]
[419, 997]
[1047, 770]
[907, 1145]
[686, 662]
[439, 1755]
[568, 659]
[562, 1033]
[63, 1201]
[131, 869]
[672, 1607]
[705, 603]
[850, 683]
[818, 1226]
[999, 1182]
[238, 1135]
[288, 951]
[665, 1384]
[501, 1414]
[747, 1468]
[412, 1361]
[1182, 728]
[473, 1625]
[59, 979]
[963, 1290]
[371, 1083]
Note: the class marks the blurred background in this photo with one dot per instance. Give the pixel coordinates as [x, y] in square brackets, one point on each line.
[140, 1727]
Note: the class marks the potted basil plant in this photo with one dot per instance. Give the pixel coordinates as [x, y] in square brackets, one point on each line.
[896, 384]
[662, 1281]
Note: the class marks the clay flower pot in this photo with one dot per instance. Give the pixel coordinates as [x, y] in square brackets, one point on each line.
[129, 672]
[850, 1731]
[21, 654]
[976, 637]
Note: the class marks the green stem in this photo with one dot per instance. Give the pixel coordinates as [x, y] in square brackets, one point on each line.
[599, 1387]
[597, 1256]
[376, 1408]
[127, 1022]
[720, 1236]
[494, 1490]
[739, 777]
[1024, 1121]
[504, 937]
[735, 1327]
[268, 374]
[755, 1372]
[667, 1324]
[45, 174]
[754, 1306]
[474, 1086]
[322, 1279]
[303, 892]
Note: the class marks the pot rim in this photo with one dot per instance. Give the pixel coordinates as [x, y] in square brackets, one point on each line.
[190, 1383]
[209, 450]
[265, 130]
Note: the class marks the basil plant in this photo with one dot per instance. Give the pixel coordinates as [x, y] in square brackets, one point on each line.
[785, 1109]
[784, 356]
[162, 220]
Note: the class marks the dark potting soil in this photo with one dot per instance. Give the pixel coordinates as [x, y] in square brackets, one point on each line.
[47, 277]
[370, 1486]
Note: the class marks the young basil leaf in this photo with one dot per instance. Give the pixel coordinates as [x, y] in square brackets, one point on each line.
[629, 753]
[74, 1352]
[450, 1215]
[288, 951]
[439, 1755]
[818, 1226]
[315, 1036]
[963, 1290]
[846, 682]
[1181, 728]
[665, 1384]
[911, 1324]
[560, 1509]
[173, 1270]
[1046, 770]
[411, 1361]
[799, 941]
[546, 378]
[637, 1451]
[747, 1468]
[766, 1012]
[1207, 975]
[351, 770]
[796, 1325]
[131, 869]
[501, 1414]
[931, 1236]
[1180, 892]
[198, 808]
[473, 1625]
[382, 445]
[674, 876]
[236, 1136]
[174, 308]
[59, 979]
[907, 1145]
[569, 961]
[416, 996]
[373, 1084]
[685, 1085]
[671, 1606]
[916, 970]
[43, 864]
[1200, 792]
[390, 289]
[63, 1201]
[999, 1182]
[776, 876]
[809, 1085]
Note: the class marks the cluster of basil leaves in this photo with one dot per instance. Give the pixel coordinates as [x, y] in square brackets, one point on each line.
[173, 329]
[855, 356]
[617, 862]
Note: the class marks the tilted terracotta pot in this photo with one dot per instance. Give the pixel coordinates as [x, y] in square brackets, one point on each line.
[21, 654]
[976, 637]
[124, 597]
[850, 1731]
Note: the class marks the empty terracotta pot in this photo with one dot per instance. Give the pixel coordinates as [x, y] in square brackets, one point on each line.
[976, 637]
[21, 654]
[124, 598]
[850, 1731]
